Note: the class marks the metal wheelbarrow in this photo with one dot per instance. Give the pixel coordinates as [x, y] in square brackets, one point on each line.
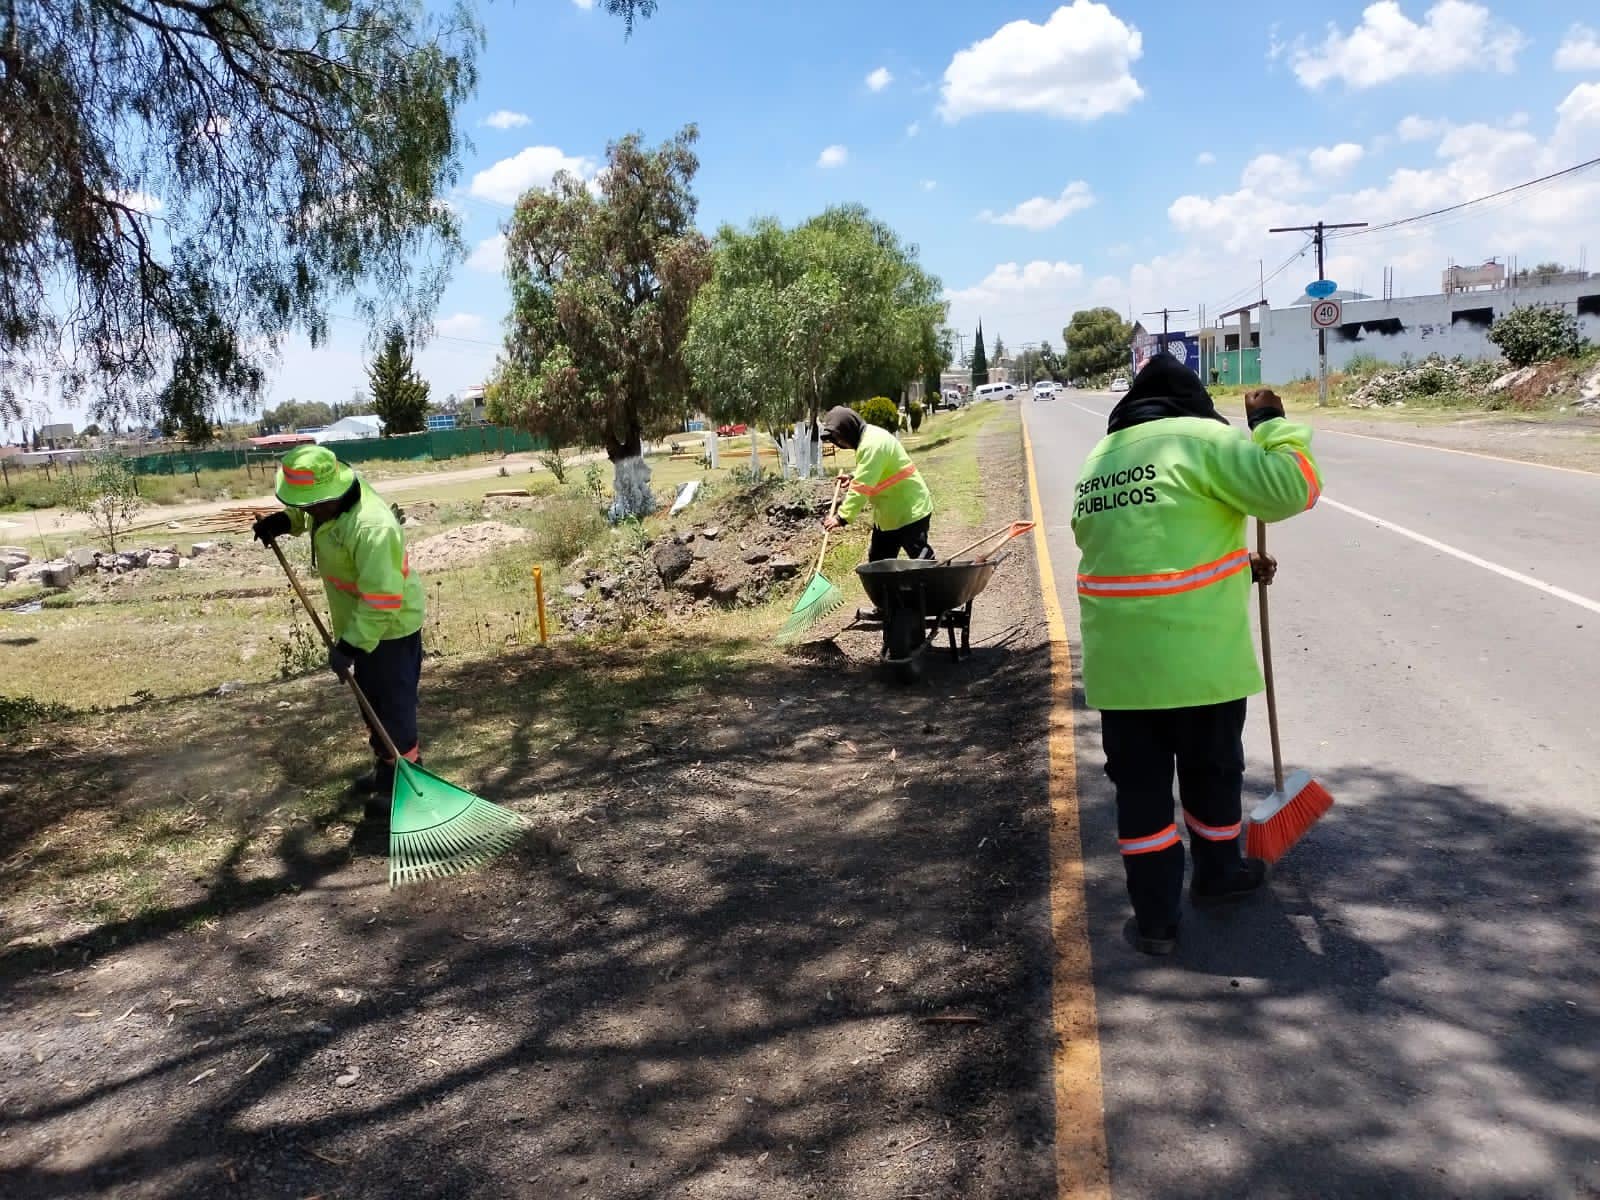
[919, 597]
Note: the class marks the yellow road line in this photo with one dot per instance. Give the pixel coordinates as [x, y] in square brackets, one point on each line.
[1520, 462]
[1082, 1169]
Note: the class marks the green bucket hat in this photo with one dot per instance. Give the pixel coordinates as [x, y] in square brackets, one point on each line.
[311, 474]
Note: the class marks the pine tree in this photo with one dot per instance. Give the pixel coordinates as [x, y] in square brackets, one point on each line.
[399, 395]
[980, 360]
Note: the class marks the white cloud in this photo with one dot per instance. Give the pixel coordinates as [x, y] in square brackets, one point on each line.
[1333, 161]
[586, 5]
[1419, 129]
[1020, 303]
[1044, 212]
[464, 325]
[1579, 50]
[489, 255]
[534, 167]
[1454, 35]
[1205, 159]
[504, 118]
[929, 185]
[880, 79]
[1274, 174]
[1077, 65]
[833, 156]
[913, 129]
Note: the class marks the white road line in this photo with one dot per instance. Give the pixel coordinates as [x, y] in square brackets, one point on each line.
[1090, 411]
[1434, 544]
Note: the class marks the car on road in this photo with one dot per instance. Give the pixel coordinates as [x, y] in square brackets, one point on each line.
[995, 391]
[1045, 389]
[1119, 384]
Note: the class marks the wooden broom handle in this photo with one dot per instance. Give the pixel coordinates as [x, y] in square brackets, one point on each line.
[832, 508]
[327, 638]
[1266, 664]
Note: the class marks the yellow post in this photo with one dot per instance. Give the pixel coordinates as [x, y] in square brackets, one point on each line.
[538, 591]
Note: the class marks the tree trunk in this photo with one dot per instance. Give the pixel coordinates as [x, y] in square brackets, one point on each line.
[630, 478]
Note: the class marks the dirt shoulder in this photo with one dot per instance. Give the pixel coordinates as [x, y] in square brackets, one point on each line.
[782, 932]
[1572, 442]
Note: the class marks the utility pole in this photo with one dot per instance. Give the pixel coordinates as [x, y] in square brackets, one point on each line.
[1164, 314]
[1316, 231]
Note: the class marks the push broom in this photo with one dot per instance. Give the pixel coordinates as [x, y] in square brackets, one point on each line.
[820, 597]
[1297, 803]
[435, 828]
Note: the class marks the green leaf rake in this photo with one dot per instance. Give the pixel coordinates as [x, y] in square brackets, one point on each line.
[435, 827]
[820, 597]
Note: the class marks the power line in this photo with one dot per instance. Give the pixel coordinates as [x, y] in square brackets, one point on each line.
[1439, 212]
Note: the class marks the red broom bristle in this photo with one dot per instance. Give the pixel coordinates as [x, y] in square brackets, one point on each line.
[1271, 839]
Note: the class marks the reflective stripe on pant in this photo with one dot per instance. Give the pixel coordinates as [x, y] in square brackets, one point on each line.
[1142, 748]
[388, 674]
[912, 538]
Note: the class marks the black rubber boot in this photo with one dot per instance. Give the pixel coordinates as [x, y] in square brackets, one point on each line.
[1157, 942]
[378, 799]
[1238, 883]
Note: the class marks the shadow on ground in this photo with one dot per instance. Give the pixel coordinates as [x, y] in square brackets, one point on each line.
[781, 932]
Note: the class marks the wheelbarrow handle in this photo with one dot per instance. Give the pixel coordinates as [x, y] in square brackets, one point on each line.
[1015, 529]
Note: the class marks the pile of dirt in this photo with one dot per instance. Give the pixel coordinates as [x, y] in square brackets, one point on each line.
[464, 544]
[736, 554]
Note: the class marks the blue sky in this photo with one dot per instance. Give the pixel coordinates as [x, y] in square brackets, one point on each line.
[1046, 157]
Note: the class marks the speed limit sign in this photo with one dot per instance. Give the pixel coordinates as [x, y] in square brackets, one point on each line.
[1325, 314]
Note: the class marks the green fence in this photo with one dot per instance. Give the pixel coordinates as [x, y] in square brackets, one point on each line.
[434, 445]
[1229, 367]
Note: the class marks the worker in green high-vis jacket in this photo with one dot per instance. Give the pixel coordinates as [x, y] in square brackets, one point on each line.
[1160, 516]
[375, 600]
[884, 477]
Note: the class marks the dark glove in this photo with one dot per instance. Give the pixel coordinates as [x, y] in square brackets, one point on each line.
[1262, 404]
[342, 658]
[271, 527]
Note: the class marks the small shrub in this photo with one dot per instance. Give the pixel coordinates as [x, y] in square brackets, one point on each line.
[914, 412]
[302, 651]
[565, 527]
[107, 493]
[1363, 366]
[19, 712]
[1432, 379]
[554, 460]
[1529, 335]
[594, 481]
[879, 411]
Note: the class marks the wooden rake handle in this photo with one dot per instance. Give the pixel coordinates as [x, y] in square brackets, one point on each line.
[1015, 529]
[1266, 664]
[832, 508]
[367, 710]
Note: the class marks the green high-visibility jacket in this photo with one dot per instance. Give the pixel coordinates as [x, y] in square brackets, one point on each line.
[885, 475]
[373, 596]
[1164, 571]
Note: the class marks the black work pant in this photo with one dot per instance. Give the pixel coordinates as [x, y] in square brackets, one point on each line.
[1142, 746]
[912, 538]
[388, 675]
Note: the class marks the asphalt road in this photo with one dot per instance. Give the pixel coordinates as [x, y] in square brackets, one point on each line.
[1414, 1009]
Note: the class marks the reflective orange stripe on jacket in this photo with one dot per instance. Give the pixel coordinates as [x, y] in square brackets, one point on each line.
[1149, 845]
[872, 489]
[1313, 492]
[1166, 583]
[384, 600]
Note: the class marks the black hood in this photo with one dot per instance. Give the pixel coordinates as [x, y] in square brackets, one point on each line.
[1165, 388]
[843, 427]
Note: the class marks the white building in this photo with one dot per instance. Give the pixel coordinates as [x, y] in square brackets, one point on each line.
[1449, 324]
[350, 429]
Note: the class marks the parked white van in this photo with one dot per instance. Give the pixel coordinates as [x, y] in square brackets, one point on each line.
[994, 391]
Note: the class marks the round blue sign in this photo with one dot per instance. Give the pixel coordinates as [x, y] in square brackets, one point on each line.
[1321, 289]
